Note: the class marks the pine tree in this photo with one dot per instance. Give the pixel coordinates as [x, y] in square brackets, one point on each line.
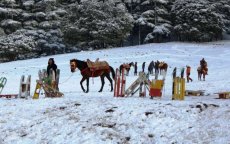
[222, 9]
[97, 24]
[194, 20]
[152, 20]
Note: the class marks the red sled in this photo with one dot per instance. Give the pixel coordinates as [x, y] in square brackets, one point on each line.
[155, 92]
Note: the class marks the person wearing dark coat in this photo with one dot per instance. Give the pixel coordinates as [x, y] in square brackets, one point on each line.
[157, 67]
[150, 67]
[135, 68]
[51, 65]
[203, 63]
[143, 67]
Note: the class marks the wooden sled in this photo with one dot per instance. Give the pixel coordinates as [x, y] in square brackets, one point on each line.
[194, 92]
[8, 95]
[141, 84]
[3, 81]
[24, 89]
[49, 91]
[223, 95]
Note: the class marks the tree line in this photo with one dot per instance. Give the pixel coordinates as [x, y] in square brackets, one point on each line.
[34, 28]
[102, 24]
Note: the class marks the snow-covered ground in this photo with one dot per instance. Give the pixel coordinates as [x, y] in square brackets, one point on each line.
[100, 118]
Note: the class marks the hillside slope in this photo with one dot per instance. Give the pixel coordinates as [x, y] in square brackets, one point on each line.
[100, 118]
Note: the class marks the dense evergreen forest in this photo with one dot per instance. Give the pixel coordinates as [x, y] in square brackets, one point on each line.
[34, 28]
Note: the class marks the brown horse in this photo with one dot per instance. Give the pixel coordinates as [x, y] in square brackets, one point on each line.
[163, 67]
[127, 67]
[87, 72]
[202, 71]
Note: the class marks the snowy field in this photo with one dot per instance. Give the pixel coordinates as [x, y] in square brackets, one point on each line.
[99, 118]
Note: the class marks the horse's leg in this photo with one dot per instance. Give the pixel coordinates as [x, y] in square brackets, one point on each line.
[102, 83]
[82, 80]
[203, 76]
[110, 80]
[87, 84]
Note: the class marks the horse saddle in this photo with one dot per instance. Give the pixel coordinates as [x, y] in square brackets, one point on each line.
[126, 66]
[98, 65]
[161, 64]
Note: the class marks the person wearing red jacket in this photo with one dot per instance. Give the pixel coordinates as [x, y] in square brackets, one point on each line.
[188, 71]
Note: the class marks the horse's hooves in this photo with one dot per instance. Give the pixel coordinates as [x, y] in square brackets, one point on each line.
[100, 91]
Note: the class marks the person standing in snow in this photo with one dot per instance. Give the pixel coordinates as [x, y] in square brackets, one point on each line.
[182, 73]
[52, 67]
[188, 71]
[143, 67]
[157, 63]
[150, 67]
[135, 68]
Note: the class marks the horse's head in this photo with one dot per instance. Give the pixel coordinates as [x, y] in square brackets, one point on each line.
[131, 64]
[73, 65]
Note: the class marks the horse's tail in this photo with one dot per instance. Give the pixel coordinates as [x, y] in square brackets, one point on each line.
[113, 72]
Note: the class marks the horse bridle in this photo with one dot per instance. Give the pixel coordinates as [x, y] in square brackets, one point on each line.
[73, 65]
